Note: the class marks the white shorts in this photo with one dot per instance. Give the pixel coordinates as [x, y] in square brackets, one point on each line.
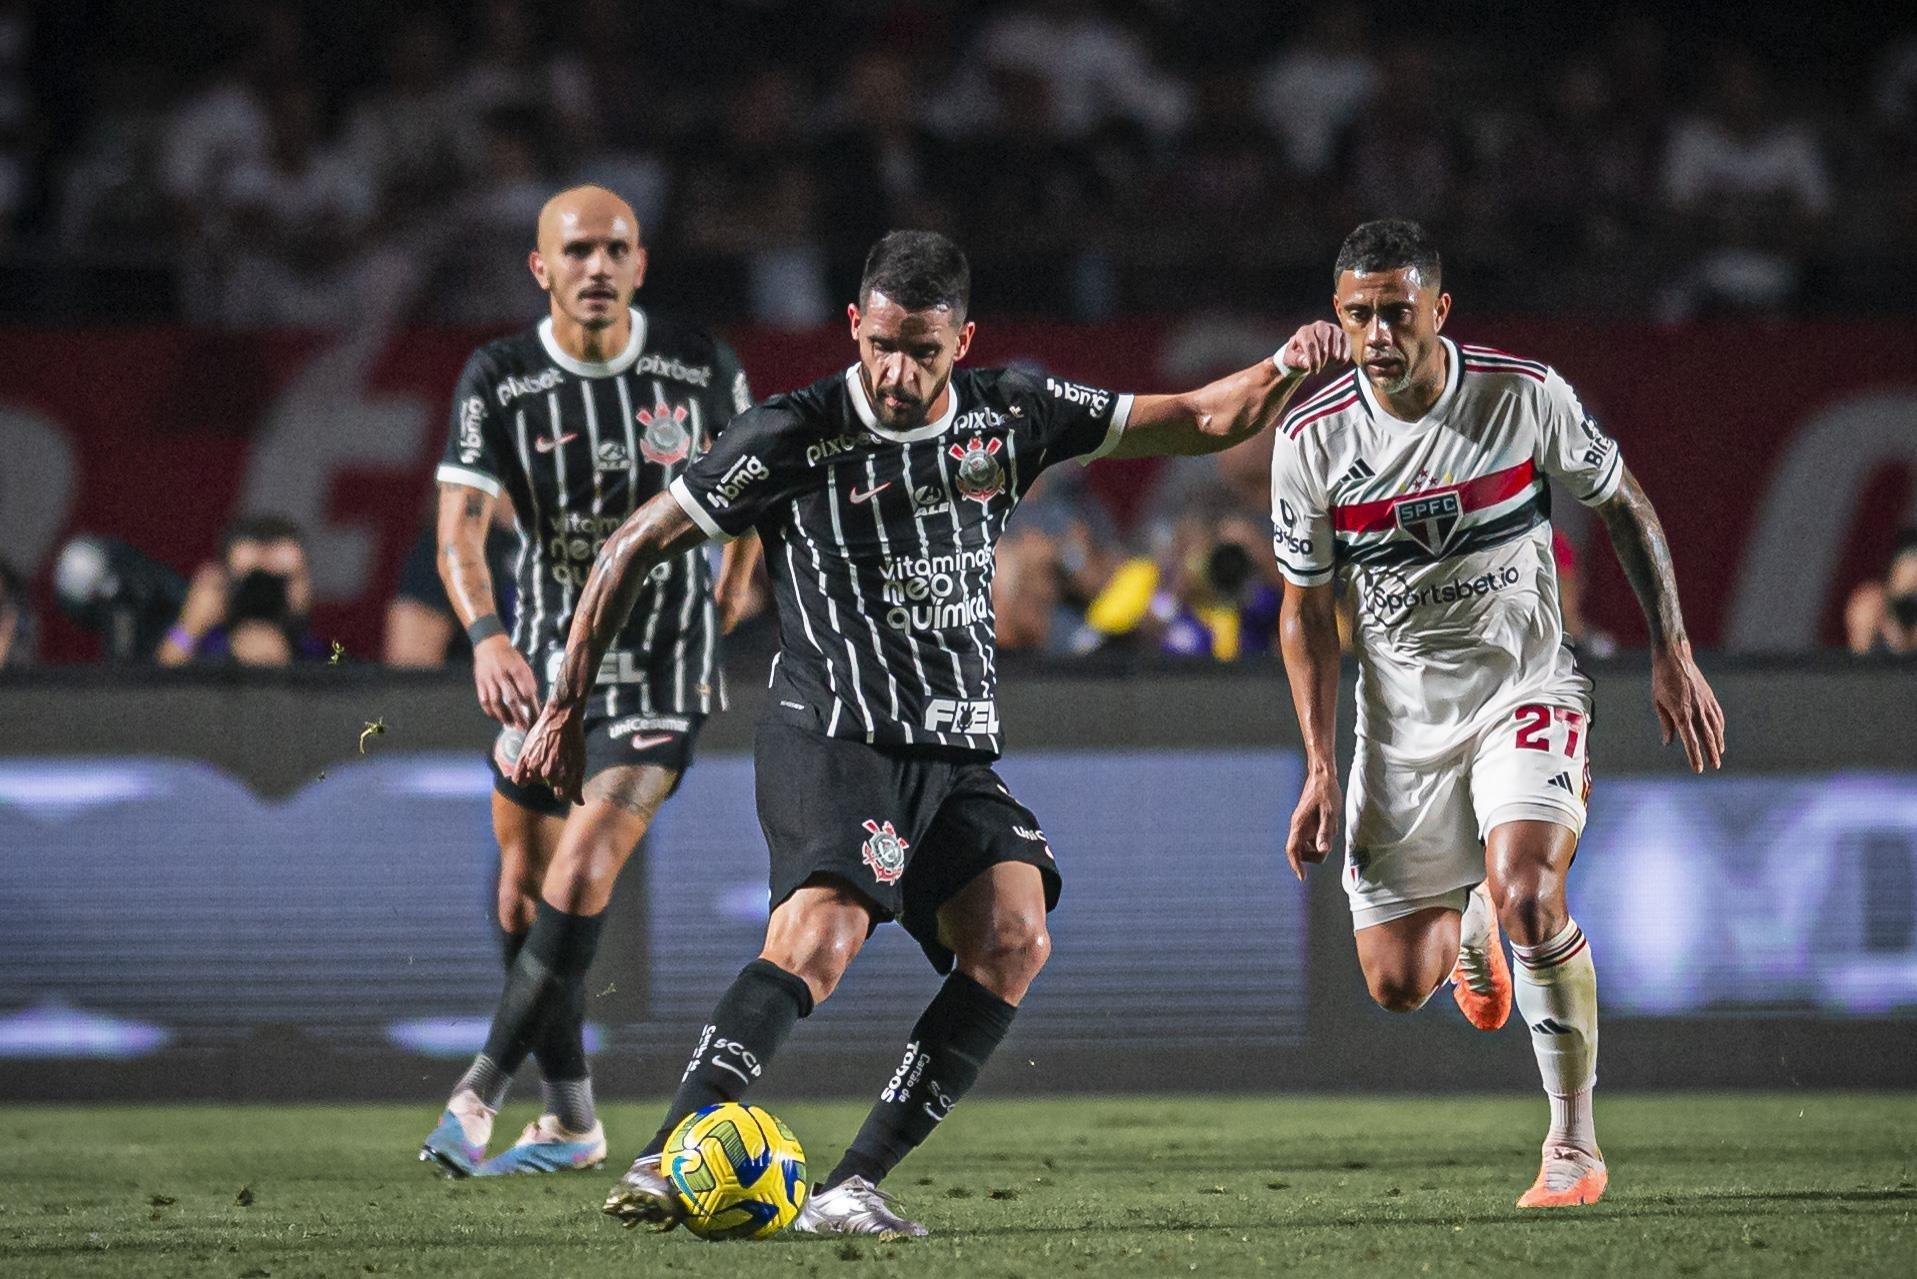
[1414, 834]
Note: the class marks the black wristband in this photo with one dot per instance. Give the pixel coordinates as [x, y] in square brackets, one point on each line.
[484, 628]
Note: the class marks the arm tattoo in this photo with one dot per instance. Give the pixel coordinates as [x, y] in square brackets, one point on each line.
[1645, 555]
[474, 506]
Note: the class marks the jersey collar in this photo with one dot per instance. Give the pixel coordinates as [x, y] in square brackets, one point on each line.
[1454, 374]
[591, 368]
[862, 405]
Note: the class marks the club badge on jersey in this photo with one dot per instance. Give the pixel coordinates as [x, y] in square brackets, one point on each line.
[980, 477]
[666, 439]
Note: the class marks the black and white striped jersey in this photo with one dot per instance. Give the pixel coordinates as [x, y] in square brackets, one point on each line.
[880, 543]
[577, 446]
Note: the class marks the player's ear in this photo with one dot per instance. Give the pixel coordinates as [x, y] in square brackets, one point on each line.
[1440, 311]
[639, 260]
[964, 340]
[852, 318]
[537, 265]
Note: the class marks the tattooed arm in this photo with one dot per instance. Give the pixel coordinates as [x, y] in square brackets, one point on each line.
[507, 690]
[555, 751]
[1685, 704]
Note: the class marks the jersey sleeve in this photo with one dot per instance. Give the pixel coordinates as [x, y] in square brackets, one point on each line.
[731, 393]
[1572, 448]
[1080, 421]
[757, 462]
[476, 449]
[1300, 514]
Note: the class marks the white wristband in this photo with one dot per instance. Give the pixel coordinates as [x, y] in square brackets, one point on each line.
[1284, 370]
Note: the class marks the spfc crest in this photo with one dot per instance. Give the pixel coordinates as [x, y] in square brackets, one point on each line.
[1429, 520]
[980, 477]
[884, 852]
[666, 438]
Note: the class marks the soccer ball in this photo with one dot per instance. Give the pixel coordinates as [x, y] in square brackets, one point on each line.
[739, 1172]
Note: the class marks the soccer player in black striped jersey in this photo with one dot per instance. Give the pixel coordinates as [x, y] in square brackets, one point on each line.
[880, 494]
[580, 421]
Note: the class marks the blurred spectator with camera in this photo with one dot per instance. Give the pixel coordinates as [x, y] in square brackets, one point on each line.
[1211, 591]
[421, 628]
[1881, 614]
[250, 608]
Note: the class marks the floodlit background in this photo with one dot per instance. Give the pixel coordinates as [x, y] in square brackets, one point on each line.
[245, 248]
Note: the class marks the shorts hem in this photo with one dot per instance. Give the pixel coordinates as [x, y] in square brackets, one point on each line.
[1532, 810]
[1371, 914]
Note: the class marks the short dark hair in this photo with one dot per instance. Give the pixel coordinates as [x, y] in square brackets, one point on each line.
[919, 270]
[1389, 244]
[260, 528]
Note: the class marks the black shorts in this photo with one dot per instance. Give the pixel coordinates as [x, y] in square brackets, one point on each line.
[908, 829]
[611, 742]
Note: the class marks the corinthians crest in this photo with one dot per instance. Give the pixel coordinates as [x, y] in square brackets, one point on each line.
[884, 852]
[666, 439]
[980, 477]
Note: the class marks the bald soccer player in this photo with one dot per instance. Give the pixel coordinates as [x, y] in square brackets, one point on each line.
[579, 420]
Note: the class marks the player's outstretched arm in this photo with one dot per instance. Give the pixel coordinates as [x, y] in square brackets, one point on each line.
[1308, 637]
[507, 690]
[1232, 409]
[1685, 704]
[555, 751]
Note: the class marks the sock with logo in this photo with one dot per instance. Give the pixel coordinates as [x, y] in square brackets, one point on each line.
[550, 967]
[951, 1043]
[747, 1026]
[1555, 986]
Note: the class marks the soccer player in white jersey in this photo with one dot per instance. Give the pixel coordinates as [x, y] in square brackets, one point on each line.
[1419, 479]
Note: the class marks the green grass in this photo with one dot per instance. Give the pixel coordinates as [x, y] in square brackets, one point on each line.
[1811, 1184]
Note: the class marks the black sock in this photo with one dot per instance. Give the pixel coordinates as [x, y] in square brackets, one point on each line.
[557, 952]
[751, 1020]
[510, 944]
[951, 1043]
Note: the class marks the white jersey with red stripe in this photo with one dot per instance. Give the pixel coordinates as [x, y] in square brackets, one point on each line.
[1441, 527]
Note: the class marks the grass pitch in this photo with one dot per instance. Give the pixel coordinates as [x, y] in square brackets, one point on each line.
[1801, 1184]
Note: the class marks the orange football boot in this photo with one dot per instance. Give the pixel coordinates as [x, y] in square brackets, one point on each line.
[1481, 979]
[1569, 1176]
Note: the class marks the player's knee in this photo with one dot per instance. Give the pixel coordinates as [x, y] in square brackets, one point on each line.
[820, 958]
[1008, 957]
[1530, 908]
[1400, 992]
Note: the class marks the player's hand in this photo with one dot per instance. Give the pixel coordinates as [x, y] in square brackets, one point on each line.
[507, 690]
[1315, 347]
[737, 602]
[205, 605]
[554, 753]
[1686, 706]
[1314, 823]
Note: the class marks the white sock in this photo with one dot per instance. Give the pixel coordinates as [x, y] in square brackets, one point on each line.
[1555, 985]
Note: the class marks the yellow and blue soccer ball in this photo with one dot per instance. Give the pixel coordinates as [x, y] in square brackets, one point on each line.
[739, 1171]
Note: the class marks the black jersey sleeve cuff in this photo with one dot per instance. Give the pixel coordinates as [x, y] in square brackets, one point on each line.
[682, 493]
[1121, 414]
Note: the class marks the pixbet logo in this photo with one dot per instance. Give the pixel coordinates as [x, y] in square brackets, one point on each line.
[514, 387]
[824, 449]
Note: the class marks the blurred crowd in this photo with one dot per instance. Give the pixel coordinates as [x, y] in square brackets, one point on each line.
[1195, 581]
[269, 163]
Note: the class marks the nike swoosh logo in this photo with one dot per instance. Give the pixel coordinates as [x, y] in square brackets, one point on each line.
[545, 445]
[871, 492]
[645, 742]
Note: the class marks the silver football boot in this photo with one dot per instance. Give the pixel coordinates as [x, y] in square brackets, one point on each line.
[644, 1196]
[856, 1207]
